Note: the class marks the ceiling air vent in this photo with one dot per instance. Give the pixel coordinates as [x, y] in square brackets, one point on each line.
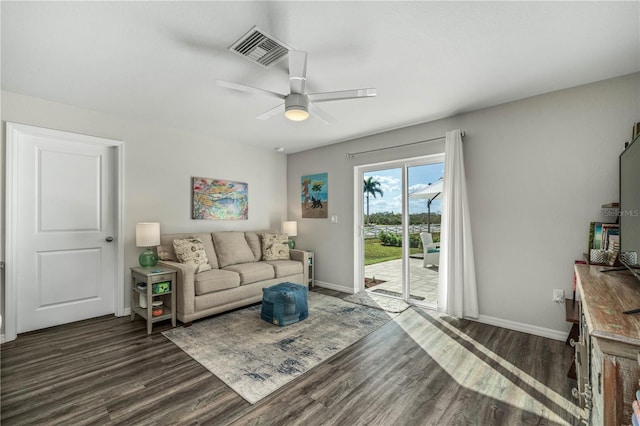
[260, 48]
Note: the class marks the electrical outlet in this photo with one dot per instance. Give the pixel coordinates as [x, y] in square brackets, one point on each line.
[558, 295]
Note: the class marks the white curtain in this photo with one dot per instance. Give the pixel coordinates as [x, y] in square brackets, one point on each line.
[457, 294]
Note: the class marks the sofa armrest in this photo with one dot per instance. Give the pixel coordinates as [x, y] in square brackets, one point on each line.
[301, 256]
[185, 287]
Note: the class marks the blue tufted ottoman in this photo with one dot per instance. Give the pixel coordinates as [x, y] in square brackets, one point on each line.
[284, 304]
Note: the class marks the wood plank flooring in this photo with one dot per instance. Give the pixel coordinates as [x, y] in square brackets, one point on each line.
[420, 369]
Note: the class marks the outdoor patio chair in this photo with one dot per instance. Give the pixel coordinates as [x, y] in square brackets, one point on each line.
[431, 250]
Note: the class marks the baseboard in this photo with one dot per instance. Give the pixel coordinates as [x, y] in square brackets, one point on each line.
[560, 335]
[127, 312]
[525, 328]
[2, 339]
[332, 286]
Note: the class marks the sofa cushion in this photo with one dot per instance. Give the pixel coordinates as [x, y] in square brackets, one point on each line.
[284, 268]
[275, 246]
[167, 252]
[190, 251]
[253, 239]
[207, 243]
[232, 248]
[215, 280]
[252, 272]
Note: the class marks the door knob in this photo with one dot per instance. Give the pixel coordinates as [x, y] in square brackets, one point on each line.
[108, 239]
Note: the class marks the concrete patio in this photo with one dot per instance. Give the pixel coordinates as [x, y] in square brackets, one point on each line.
[423, 281]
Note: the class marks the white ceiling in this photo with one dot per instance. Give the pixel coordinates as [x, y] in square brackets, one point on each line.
[157, 62]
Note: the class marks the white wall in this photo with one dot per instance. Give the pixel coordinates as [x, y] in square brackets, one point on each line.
[159, 164]
[538, 171]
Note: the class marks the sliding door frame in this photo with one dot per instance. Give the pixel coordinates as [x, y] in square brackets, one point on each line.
[358, 217]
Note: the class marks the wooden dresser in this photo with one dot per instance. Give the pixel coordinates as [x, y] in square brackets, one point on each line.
[607, 352]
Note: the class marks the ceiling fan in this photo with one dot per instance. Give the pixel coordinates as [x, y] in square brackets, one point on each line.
[298, 104]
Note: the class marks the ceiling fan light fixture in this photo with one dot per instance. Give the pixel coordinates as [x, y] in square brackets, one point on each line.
[296, 113]
[296, 107]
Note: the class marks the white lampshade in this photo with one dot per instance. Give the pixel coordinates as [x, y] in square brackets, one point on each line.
[290, 228]
[147, 234]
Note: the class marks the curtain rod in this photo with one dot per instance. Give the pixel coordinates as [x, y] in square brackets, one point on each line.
[353, 154]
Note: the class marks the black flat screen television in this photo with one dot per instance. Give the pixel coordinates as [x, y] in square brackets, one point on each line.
[630, 205]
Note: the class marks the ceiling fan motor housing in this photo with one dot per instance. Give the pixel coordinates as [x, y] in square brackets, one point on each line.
[296, 101]
[296, 107]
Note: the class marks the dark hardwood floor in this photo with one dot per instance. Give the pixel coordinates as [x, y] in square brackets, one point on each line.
[420, 369]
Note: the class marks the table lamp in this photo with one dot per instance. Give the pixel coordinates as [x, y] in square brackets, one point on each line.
[291, 229]
[148, 235]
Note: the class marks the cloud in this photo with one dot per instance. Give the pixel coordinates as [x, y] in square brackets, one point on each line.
[388, 183]
[379, 205]
[417, 187]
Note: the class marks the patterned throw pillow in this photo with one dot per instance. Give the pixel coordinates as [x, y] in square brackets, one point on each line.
[275, 246]
[190, 251]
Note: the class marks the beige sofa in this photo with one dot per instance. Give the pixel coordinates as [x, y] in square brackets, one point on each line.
[237, 275]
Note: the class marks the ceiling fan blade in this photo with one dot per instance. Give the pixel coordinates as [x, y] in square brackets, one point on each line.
[271, 113]
[342, 94]
[243, 88]
[297, 71]
[320, 114]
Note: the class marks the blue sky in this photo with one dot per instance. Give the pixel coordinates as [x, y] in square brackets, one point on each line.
[391, 185]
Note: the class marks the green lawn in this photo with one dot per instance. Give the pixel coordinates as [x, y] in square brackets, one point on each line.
[374, 252]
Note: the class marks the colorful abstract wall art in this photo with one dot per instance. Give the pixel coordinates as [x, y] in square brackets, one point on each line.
[219, 199]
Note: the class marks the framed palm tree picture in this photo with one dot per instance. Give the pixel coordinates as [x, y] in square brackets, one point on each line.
[314, 196]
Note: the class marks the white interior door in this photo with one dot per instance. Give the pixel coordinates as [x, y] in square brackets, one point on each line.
[65, 227]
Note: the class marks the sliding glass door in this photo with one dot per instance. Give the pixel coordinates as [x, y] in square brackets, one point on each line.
[401, 201]
[382, 231]
[424, 200]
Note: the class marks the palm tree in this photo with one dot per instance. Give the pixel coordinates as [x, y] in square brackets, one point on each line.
[371, 187]
[317, 186]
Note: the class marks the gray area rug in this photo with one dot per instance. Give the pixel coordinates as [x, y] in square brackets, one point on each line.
[395, 293]
[255, 358]
[368, 298]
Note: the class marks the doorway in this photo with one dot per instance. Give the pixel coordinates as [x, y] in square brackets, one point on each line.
[64, 222]
[398, 203]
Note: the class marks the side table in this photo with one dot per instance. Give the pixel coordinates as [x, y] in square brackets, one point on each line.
[311, 267]
[164, 279]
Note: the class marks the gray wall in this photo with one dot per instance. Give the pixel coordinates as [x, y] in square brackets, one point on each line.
[538, 171]
[159, 164]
